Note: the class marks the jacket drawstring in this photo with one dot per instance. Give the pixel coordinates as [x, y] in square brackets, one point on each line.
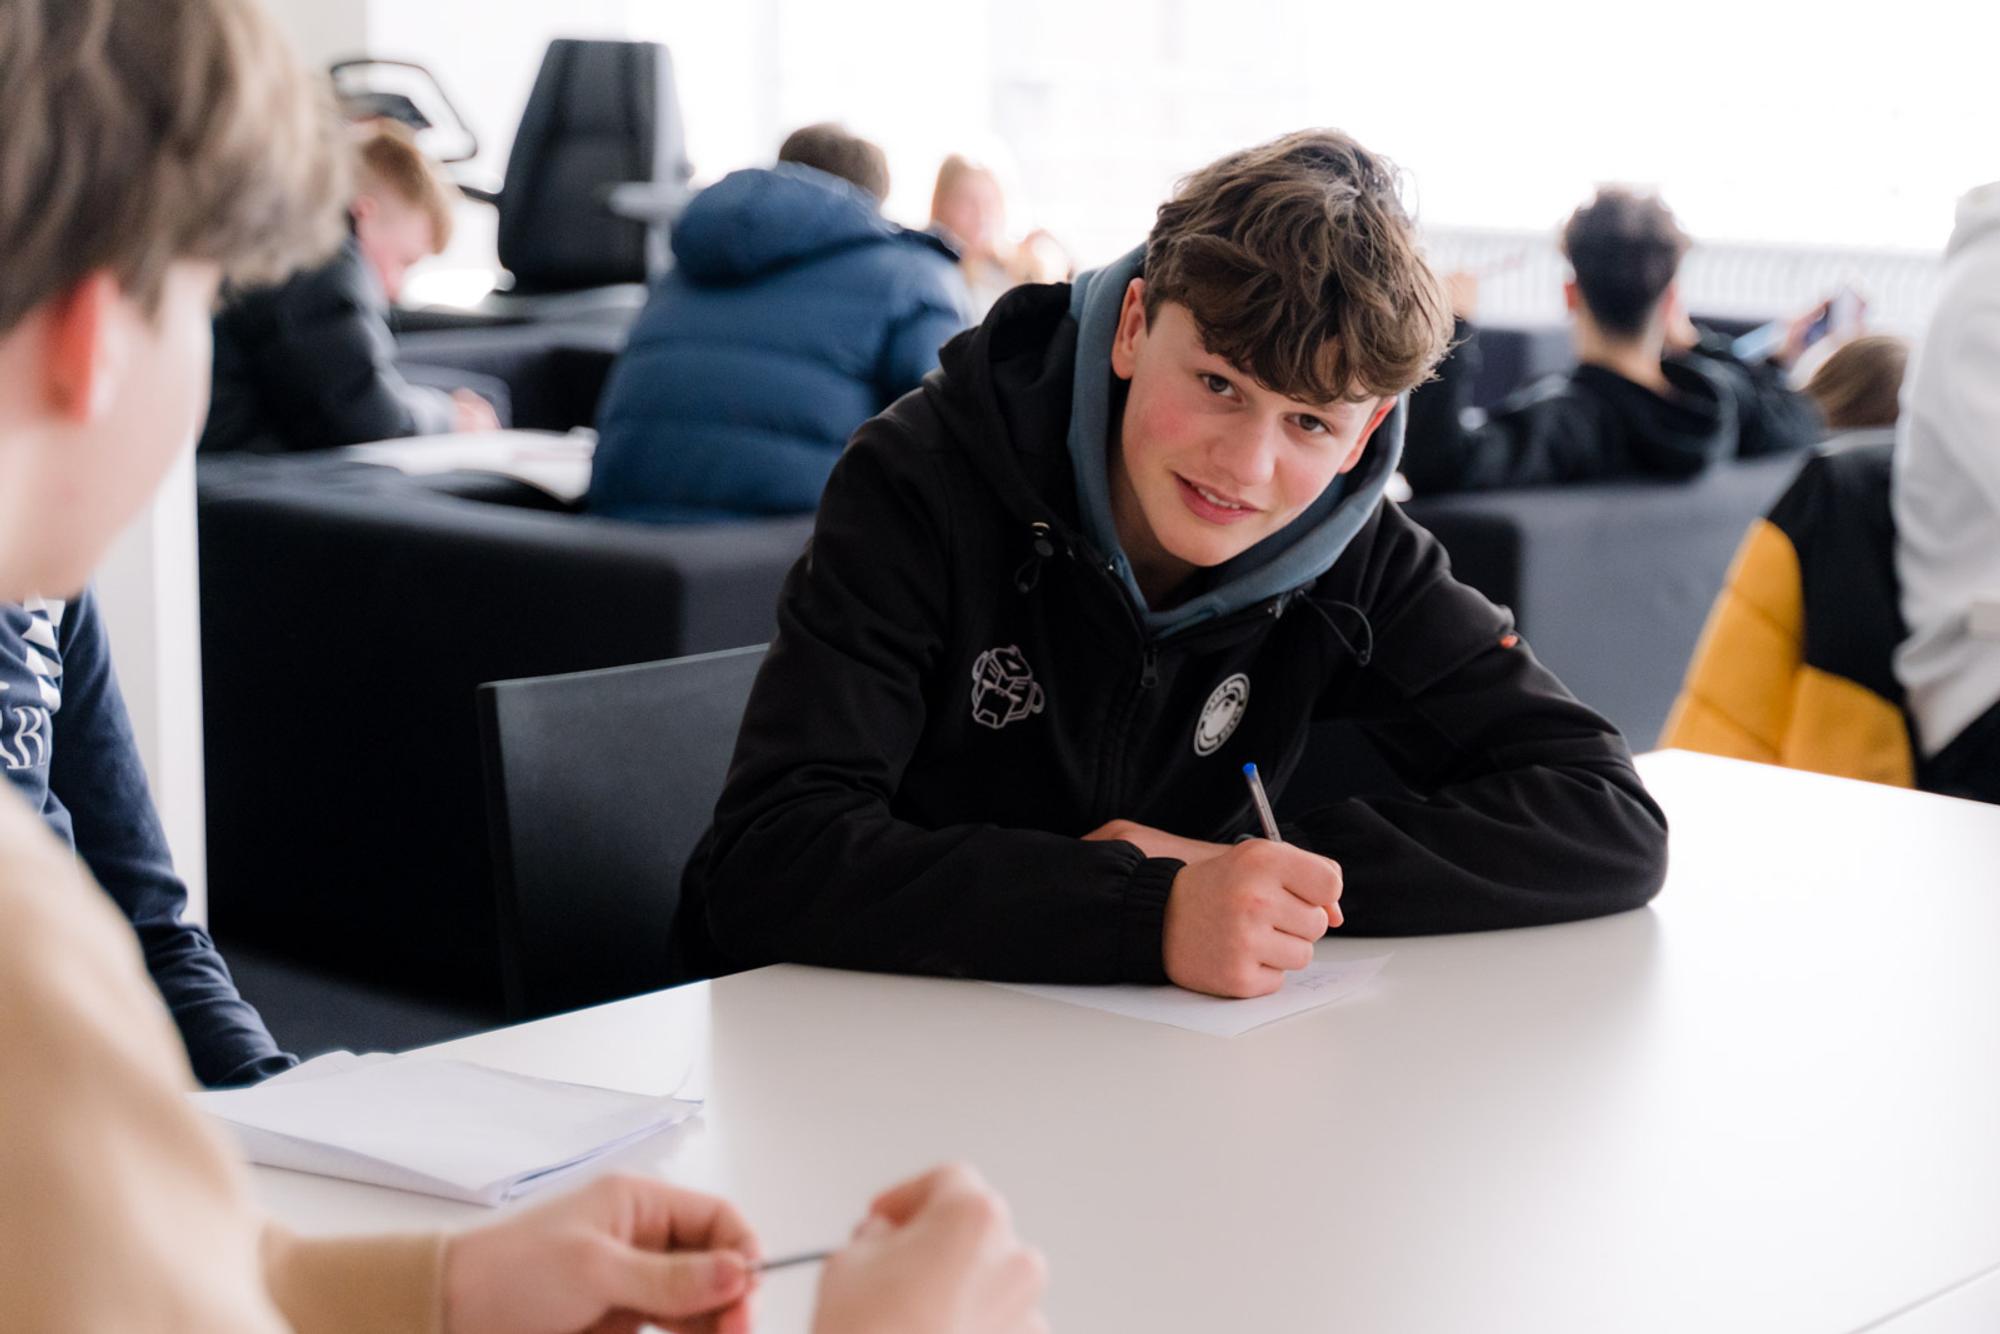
[1367, 649]
[1041, 549]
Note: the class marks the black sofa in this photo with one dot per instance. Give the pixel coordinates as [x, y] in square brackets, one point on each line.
[554, 373]
[348, 614]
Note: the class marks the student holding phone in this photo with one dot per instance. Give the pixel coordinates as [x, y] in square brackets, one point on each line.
[1651, 395]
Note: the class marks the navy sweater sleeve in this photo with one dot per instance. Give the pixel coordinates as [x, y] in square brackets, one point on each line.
[95, 777]
[1537, 436]
[808, 861]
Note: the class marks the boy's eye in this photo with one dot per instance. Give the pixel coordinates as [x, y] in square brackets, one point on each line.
[1313, 426]
[1216, 384]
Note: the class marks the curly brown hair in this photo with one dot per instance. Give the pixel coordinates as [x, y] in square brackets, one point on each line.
[1299, 263]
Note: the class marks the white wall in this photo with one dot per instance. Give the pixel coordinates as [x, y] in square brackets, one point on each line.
[323, 30]
[148, 592]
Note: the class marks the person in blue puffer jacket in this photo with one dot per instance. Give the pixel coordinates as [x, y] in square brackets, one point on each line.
[794, 312]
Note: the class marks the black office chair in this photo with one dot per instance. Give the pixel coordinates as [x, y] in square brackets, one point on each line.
[602, 114]
[596, 174]
[599, 784]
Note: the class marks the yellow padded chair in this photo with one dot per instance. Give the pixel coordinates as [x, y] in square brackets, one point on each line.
[1794, 664]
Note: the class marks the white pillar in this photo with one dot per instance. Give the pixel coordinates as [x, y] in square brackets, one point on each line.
[150, 598]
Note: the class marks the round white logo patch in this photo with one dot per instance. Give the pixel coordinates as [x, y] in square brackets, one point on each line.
[1221, 714]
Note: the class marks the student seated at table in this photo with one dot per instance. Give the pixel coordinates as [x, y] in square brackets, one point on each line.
[969, 209]
[67, 747]
[1946, 500]
[310, 363]
[1131, 538]
[794, 311]
[170, 143]
[1650, 394]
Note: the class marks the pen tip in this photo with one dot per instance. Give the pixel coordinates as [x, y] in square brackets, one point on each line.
[1250, 771]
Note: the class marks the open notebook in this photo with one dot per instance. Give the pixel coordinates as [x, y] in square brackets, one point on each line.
[435, 1126]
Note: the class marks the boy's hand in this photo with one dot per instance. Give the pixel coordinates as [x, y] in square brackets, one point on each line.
[1156, 842]
[1238, 922]
[470, 412]
[617, 1253]
[936, 1255]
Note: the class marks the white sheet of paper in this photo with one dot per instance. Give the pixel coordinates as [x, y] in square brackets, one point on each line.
[1317, 984]
[559, 464]
[440, 1127]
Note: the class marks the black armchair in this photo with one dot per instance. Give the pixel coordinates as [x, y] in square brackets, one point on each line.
[349, 614]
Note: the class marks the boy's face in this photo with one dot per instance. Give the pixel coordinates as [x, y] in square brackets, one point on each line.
[974, 213]
[394, 235]
[102, 397]
[1210, 462]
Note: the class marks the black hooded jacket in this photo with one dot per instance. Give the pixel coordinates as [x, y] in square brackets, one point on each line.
[1590, 423]
[311, 364]
[959, 689]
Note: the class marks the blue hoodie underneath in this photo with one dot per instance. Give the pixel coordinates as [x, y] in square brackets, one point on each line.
[1290, 558]
[794, 313]
[68, 750]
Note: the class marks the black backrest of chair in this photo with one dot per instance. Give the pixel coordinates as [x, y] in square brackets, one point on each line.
[601, 113]
[1512, 357]
[1610, 581]
[599, 786]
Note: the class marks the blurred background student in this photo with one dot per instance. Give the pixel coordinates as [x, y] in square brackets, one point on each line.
[311, 363]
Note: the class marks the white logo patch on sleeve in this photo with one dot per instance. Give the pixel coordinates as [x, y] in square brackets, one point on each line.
[1004, 689]
[1221, 714]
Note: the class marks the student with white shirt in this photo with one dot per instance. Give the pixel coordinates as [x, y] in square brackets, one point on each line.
[1946, 500]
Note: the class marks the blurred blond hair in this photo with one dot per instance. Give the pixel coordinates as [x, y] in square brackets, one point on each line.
[138, 135]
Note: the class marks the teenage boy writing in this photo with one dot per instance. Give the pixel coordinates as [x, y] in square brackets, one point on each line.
[1129, 537]
[189, 146]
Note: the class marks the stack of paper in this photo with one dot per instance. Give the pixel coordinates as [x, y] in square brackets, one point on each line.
[435, 1126]
[558, 464]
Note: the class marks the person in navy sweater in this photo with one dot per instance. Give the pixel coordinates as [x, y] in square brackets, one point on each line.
[794, 313]
[67, 747]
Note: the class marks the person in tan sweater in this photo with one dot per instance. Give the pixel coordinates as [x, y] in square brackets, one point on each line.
[146, 150]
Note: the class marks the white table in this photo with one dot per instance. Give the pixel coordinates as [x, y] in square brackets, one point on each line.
[1771, 1102]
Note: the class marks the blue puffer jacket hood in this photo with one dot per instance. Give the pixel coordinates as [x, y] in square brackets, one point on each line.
[764, 218]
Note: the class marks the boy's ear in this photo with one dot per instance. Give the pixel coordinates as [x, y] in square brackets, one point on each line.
[1382, 411]
[83, 352]
[1571, 298]
[1131, 330]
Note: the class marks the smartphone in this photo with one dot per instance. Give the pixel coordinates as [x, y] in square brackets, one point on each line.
[1839, 313]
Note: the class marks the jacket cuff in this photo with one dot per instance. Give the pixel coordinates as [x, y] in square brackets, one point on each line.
[390, 1284]
[1142, 932]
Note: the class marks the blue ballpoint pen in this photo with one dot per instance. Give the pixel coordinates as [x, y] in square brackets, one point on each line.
[1262, 802]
